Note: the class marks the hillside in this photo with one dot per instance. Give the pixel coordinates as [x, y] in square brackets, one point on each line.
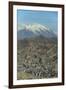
[37, 58]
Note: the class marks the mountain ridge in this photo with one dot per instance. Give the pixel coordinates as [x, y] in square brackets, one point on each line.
[32, 30]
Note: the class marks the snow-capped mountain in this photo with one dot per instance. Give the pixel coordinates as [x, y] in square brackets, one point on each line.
[33, 30]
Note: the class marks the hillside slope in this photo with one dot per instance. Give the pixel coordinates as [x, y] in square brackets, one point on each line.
[37, 58]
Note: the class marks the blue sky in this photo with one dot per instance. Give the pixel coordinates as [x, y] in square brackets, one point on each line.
[47, 18]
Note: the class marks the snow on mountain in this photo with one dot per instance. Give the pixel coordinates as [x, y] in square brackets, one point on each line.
[33, 27]
[32, 30]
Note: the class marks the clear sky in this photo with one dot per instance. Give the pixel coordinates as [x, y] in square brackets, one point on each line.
[47, 18]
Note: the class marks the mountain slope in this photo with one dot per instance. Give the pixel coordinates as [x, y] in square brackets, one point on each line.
[37, 58]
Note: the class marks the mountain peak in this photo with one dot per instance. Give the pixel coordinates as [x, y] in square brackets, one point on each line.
[32, 27]
[32, 30]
